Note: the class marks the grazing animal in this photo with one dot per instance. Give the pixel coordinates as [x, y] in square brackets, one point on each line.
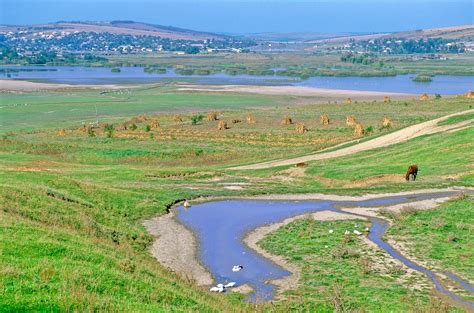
[412, 170]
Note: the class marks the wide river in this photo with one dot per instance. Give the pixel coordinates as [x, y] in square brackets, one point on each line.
[220, 227]
[445, 85]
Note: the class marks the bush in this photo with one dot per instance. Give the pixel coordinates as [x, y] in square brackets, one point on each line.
[195, 119]
[90, 132]
[147, 127]
[133, 127]
[109, 130]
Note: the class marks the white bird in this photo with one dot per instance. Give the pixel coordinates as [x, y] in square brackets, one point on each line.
[331, 231]
[367, 229]
[186, 204]
[230, 285]
[347, 232]
[237, 268]
[215, 289]
[357, 232]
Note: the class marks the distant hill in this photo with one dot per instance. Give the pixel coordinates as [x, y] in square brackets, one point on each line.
[119, 27]
[453, 32]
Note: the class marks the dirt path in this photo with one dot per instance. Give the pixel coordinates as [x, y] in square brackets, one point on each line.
[425, 128]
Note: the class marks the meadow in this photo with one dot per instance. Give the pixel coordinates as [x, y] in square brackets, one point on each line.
[73, 196]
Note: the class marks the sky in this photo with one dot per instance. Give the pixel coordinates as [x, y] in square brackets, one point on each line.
[250, 16]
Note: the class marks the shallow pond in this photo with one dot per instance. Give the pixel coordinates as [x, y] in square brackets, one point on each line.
[134, 75]
[220, 227]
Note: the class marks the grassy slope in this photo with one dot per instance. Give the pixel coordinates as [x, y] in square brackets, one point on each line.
[84, 198]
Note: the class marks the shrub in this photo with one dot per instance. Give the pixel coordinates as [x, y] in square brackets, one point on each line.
[195, 119]
[133, 126]
[109, 130]
[90, 132]
[147, 127]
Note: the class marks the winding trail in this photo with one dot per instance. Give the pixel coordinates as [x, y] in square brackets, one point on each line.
[405, 134]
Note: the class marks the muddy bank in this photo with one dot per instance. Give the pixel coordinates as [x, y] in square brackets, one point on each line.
[175, 247]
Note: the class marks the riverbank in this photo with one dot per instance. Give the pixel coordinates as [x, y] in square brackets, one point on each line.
[175, 246]
[10, 85]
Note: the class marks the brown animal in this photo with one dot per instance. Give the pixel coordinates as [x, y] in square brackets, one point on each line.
[412, 170]
[424, 97]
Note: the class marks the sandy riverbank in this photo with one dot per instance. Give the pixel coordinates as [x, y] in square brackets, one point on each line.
[176, 246]
[322, 93]
[24, 86]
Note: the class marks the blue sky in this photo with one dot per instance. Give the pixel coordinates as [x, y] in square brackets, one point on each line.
[246, 16]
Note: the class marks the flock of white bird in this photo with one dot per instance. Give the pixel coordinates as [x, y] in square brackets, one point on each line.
[222, 287]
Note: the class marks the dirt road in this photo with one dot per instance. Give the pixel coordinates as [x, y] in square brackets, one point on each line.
[429, 127]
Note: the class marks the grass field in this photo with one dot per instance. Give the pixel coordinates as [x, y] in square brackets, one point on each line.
[72, 204]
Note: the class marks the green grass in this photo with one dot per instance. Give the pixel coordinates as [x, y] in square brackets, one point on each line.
[84, 198]
[457, 119]
[443, 235]
[341, 270]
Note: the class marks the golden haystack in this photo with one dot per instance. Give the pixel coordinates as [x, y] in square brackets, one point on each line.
[222, 125]
[154, 124]
[470, 95]
[139, 119]
[350, 121]
[424, 97]
[211, 116]
[324, 119]
[177, 118]
[300, 128]
[348, 101]
[82, 129]
[387, 121]
[359, 129]
[286, 121]
[387, 99]
[62, 132]
[236, 121]
[251, 119]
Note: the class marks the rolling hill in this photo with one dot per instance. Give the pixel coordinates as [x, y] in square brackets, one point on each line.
[118, 27]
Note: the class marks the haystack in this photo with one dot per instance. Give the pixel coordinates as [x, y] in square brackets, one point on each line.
[470, 95]
[62, 132]
[387, 121]
[139, 119]
[286, 121]
[424, 97]
[359, 129]
[251, 119]
[350, 121]
[177, 118]
[348, 101]
[300, 128]
[154, 124]
[324, 119]
[211, 116]
[387, 99]
[222, 125]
